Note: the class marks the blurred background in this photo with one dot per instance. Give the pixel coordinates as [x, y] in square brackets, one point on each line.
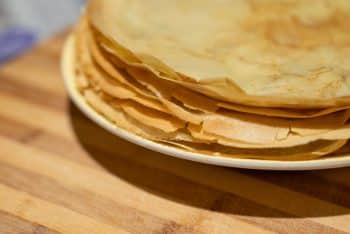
[25, 22]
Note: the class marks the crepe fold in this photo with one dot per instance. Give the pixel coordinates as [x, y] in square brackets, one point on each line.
[266, 97]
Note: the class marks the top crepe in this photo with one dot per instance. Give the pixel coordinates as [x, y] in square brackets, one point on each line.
[269, 53]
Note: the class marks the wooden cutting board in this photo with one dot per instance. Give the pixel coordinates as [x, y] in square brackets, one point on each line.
[60, 173]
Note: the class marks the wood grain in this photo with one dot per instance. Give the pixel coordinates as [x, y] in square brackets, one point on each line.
[60, 173]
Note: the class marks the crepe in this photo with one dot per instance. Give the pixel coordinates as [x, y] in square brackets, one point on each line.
[250, 130]
[185, 105]
[260, 53]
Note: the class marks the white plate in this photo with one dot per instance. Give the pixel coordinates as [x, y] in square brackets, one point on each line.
[68, 75]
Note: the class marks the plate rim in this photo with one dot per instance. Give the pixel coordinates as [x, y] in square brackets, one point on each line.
[256, 164]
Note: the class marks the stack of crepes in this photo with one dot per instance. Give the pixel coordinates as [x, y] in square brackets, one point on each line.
[259, 79]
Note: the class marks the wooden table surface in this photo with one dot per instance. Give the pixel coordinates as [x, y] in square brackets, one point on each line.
[60, 173]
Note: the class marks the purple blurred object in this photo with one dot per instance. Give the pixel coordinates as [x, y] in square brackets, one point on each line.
[14, 41]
